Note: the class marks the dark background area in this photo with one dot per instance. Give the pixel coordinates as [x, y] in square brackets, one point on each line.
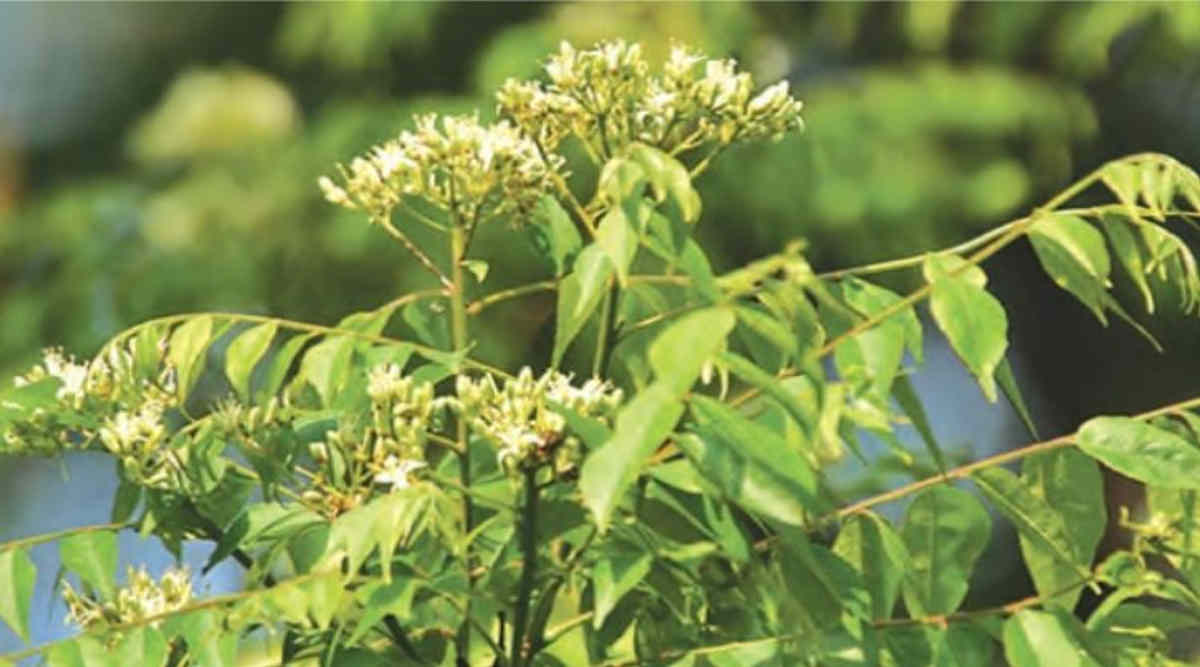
[161, 158]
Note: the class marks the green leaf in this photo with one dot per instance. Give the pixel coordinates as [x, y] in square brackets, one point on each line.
[669, 181]
[186, 351]
[641, 426]
[910, 402]
[477, 268]
[209, 643]
[384, 599]
[1146, 453]
[18, 574]
[946, 530]
[751, 464]
[768, 328]
[619, 240]
[142, 646]
[243, 354]
[973, 321]
[870, 299]
[1073, 254]
[554, 234]
[82, 651]
[1045, 639]
[430, 325]
[93, 556]
[326, 366]
[680, 351]
[125, 500]
[1052, 557]
[578, 295]
[961, 645]
[1128, 252]
[279, 366]
[1072, 485]
[619, 568]
[792, 401]
[869, 544]
[1008, 385]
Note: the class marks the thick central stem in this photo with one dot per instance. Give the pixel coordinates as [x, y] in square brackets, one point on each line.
[458, 340]
[528, 568]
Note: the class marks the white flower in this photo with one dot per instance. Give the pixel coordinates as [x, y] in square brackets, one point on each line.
[397, 472]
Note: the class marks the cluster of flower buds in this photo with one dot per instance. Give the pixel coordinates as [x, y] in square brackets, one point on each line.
[234, 418]
[139, 440]
[472, 171]
[72, 376]
[142, 598]
[520, 418]
[608, 98]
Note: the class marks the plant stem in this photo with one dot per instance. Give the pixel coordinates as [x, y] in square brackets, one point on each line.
[528, 568]
[999, 459]
[458, 338]
[607, 335]
[424, 259]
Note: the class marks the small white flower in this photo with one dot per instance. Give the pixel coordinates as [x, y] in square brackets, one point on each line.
[397, 472]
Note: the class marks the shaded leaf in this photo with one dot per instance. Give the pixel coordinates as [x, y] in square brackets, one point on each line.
[945, 529]
[1008, 385]
[1045, 639]
[869, 544]
[617, 571]
[1073, 254]
[554, 234]
[186, 351]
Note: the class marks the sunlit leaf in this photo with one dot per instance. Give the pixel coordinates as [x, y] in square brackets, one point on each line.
[1046, 639]
[244, 353]
[1074, 255]
[188, 343]
[18, 574]
[554, 234]
[679, 352]
[1146, 453]
[578, 296]
[93, 556]
[973, 321]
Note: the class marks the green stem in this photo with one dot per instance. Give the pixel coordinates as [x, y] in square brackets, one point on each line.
[458, 338]
[528, 568]
[607, 335]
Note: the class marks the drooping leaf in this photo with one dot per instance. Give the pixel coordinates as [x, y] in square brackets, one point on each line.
[431, 326]
[679, 352]
[1073, 254]
[670, 182]
[578, 296]
[945, 530]
[18, 574]
[1129, 253]
[1053, 558]
[280, 364]
[1046, 639]
[618, 570]
[326, 366]
[617, 237]
[906, 396]
[555, 235]
[869, 544]
[477, 268]
[973, 321]
[1008, 385]
[641, 425]
[188, 343]
[384, 599]
[244, 353]
[93, 556]
[1146, 453]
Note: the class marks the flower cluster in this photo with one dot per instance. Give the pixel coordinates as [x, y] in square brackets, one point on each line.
[102, 386]
[472, 171]
[520, 417]
[138, 439]
[142, 598]
[608, 98]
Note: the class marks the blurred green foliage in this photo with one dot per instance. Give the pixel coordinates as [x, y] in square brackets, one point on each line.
[926, 123]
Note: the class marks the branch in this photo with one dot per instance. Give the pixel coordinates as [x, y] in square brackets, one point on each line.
[34, 540]
[416, 252]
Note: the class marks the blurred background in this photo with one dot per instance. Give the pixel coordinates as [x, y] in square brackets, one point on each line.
[162, 158]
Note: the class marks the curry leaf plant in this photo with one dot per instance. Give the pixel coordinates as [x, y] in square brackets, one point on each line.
[654, 491]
